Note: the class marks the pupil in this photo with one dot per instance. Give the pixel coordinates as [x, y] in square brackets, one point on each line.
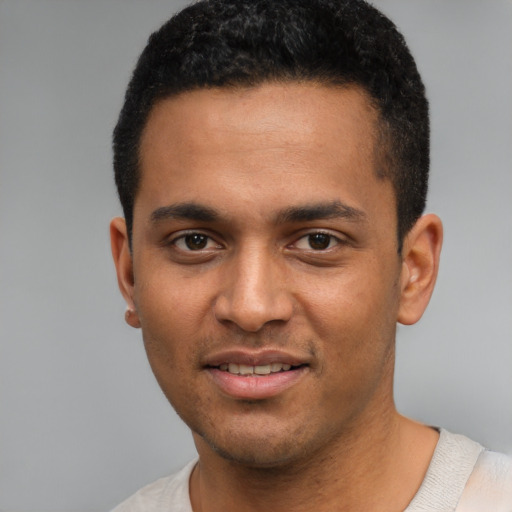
[196, 241]
[319, 241]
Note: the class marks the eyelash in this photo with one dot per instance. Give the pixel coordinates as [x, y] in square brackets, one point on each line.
[331, 238]
[183, 237]
[333, 241]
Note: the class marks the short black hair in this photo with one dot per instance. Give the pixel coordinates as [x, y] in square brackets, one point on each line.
[233, 43]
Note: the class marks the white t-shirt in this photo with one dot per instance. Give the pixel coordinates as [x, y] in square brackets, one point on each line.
[462, 477]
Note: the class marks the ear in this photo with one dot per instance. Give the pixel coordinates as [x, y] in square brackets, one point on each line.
[124, 267]
[420, 264]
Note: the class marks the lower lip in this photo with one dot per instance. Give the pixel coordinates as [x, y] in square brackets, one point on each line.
[252, 387]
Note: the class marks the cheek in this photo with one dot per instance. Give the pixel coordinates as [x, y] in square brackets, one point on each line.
[168, 322]
[170, 303]
[357, 340]
[354, 314]
[347, 300]
[169, 318]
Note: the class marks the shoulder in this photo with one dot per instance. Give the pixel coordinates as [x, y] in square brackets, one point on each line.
[157, 497]
[464, 477]
[489, 485]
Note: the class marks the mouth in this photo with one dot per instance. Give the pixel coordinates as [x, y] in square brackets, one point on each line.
[246, 376]
[256, 370]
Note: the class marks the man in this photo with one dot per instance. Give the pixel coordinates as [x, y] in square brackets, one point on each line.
[272, 160]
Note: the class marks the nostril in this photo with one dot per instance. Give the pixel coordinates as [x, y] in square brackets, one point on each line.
[252, 312]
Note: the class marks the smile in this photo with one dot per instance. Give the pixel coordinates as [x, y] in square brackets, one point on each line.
[242, 374]
[259, 370]
[255, 382]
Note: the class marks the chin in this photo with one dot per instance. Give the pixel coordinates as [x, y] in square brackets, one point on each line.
[262, 456]
[263, 449]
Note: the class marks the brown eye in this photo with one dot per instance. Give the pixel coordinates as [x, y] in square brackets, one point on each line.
[194, 246]
[196, 241]
[319, 241]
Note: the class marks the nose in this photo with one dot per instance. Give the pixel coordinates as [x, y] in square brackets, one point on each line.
[254, 292]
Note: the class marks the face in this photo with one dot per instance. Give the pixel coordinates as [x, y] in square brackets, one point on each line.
[265, 267]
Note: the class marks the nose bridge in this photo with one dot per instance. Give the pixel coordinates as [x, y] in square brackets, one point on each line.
[255, 292]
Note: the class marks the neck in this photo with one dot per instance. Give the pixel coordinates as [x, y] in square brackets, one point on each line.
[378, 465]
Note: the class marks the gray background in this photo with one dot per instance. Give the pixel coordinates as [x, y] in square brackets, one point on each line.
[82, 422]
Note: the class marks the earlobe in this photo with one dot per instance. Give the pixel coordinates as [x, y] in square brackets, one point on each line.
[123, 262]
[420, 264]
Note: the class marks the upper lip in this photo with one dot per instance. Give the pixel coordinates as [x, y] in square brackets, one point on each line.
[254, 358]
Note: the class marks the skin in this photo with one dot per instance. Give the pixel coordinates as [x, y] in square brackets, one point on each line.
[258, 176]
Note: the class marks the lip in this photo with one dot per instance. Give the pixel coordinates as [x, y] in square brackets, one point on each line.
[254, 358]
[252, 387]
[255, 387]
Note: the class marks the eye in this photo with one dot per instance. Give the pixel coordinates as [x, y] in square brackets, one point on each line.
[194, 242]
[317, 241]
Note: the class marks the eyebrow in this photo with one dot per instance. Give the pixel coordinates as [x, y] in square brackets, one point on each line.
[319, 211]
[185, 211]
[300, 213]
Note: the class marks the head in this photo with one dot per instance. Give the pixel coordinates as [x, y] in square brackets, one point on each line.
[244, 43]
[271, 157]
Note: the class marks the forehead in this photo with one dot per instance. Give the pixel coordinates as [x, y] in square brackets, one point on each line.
[262, 144]
[300, 114]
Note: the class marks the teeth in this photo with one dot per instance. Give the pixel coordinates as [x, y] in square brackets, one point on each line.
[262, 370]
[244, 369]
